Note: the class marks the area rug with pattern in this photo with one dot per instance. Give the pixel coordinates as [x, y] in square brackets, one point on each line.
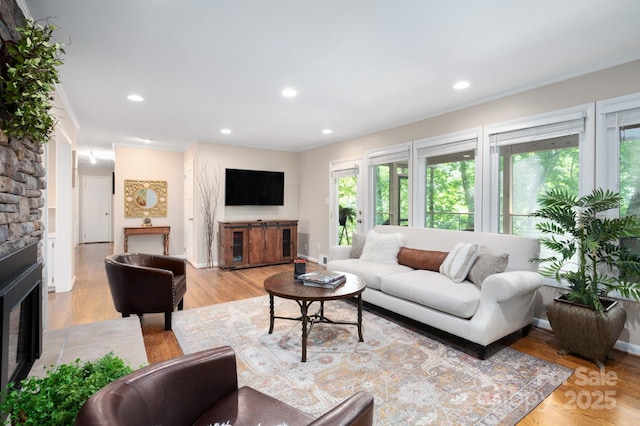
[415, 378]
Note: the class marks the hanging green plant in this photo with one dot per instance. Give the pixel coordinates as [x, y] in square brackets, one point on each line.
[29, 74]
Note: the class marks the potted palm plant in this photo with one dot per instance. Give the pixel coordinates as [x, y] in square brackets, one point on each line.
[589, 258]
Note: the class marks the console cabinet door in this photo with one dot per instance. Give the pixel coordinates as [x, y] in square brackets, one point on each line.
[233, 243]
[256, 244]
[271, 243]
[264, 243]
[288, 234]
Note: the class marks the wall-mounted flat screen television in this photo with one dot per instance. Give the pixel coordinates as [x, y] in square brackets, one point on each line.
[253, 188]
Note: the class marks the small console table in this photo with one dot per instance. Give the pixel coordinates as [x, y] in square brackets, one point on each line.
[145, 230]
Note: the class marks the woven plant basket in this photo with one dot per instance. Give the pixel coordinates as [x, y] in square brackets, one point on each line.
[583, 330]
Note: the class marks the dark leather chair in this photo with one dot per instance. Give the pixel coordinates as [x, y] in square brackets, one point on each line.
[202, 389]
[146, 283]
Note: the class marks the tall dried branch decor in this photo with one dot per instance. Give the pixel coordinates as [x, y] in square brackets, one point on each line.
[28, 77]
[209, 189]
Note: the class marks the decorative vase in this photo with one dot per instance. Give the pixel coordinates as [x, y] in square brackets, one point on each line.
[584, 331]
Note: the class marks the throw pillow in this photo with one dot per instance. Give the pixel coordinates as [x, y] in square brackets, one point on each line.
[459, 261]
[487, 264]
[382, 248]
[429, 260]
[357, 244]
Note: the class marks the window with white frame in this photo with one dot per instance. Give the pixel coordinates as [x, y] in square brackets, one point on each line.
[618, 159]
[446, 181]
[389, 192]
[531, 156]
[527, 170]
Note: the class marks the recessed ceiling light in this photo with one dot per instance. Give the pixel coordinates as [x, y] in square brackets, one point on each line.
[461, 85]
[225, 131]
[135, 98]
[289, 93]
[327, 131]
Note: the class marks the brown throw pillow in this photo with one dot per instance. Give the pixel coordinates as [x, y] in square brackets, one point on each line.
[421, 259]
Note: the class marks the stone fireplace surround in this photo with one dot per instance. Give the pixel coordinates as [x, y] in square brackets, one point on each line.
[22, 173]
[22, 181]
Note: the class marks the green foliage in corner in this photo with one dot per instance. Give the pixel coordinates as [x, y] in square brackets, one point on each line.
[56, 398]
[28, 80]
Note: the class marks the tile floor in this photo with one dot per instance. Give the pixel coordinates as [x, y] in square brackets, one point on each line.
[122, 336]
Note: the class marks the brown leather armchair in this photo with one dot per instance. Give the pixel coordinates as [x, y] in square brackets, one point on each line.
[146, 283]
[202, 389]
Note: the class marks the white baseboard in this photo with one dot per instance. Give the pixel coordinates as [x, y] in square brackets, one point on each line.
[540, 323]
[309, 258]
[620, 345]
[202, 265]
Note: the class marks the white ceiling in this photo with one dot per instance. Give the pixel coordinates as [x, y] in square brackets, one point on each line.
[359, 66]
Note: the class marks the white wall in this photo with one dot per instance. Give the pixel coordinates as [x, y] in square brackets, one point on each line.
[149, 164]
[218, 157]
[64, 265]
[61, 202]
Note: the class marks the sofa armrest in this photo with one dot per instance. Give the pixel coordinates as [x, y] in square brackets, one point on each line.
[507, 285]
[339, 252]
[357, 410]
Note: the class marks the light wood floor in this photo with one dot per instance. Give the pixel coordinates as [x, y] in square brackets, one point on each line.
[590, 396]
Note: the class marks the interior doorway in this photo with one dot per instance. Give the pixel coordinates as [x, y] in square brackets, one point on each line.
[96, 209]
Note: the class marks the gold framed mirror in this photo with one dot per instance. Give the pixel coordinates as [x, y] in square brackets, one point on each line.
[145, 198]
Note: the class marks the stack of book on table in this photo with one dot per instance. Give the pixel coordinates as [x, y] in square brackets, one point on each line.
[326, 279]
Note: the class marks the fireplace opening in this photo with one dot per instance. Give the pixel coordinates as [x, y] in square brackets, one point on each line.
[21, 310]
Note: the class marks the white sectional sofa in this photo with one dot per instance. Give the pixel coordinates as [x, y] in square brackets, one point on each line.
[501, 304]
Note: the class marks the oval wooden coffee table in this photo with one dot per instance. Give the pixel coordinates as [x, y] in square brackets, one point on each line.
[285, 286]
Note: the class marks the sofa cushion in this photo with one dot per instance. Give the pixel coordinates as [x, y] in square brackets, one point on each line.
[369, 271]
[382, 248]
[357, 244]
[421, 259]
[487, 264]
[459, 261]
[435, 291]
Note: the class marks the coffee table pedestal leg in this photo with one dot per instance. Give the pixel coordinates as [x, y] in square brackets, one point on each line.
[304, 308]
[360, 317]
[271, 313]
